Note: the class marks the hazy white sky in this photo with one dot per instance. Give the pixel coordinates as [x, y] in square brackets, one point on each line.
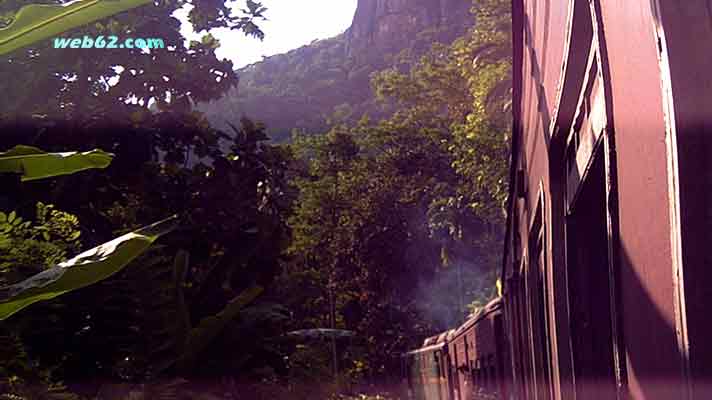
[291, 24]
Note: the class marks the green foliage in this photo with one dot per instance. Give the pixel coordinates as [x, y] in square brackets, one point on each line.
[172, 78]
[36, 22]
[164, 342]
[481, 141]
[134, 324]
[33, 163]
[19, 238]
[357, 232]
[309, 363]
[207, 15]
[146, 301]
[400, 220]
[83, 270]
[27, 247]
[21, 378]
[471, 100]
[209, 328]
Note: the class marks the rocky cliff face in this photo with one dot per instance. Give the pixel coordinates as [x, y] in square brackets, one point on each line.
[381, 22]
[302, 88]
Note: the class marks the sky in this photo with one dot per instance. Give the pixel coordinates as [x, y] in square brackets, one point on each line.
[291, 24]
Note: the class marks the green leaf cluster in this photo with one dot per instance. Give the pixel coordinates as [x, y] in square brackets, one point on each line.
[27, 246]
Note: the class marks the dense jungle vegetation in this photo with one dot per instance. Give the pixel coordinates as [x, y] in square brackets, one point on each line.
[297, 270]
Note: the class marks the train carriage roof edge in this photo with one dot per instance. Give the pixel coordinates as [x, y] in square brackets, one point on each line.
[517, 49]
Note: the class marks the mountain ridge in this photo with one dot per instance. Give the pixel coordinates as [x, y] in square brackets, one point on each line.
[303, 88]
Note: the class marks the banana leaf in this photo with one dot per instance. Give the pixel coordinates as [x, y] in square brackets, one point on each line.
[83, 270]
[33, 163]
[35, 22]
[210, 327]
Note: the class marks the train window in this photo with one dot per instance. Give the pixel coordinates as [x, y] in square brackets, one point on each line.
[589, 123]
[477, 373]
[436, 364]
[538, 292]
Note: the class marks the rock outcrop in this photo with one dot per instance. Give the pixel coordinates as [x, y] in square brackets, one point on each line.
[382, 23]
[302, 88]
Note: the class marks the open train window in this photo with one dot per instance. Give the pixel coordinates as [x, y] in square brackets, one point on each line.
[589, 124]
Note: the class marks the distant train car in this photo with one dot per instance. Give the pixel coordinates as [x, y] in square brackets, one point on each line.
[427, 370]
[467, 363]
[479, 356]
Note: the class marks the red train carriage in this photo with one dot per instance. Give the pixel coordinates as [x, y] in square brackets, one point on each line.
[479, 356]
[467, 363]
[607, 264]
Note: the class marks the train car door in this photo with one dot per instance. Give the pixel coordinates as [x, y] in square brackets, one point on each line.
[591, 334]
[591, 288]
